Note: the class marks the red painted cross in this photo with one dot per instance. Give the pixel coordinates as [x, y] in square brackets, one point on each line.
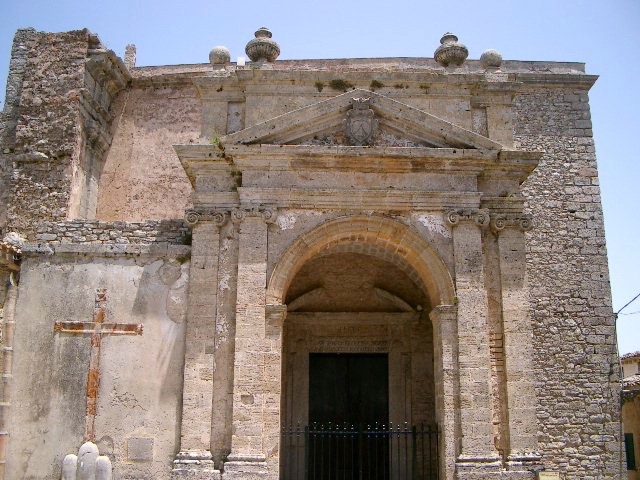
[96, 328]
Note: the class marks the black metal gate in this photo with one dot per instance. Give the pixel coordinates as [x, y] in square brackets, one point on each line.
[364, 452]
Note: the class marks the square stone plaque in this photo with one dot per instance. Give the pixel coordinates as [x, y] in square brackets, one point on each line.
[140, 449]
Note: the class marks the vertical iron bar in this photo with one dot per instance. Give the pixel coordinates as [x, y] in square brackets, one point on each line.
[360, 452]
[414, 460]
[306, 452]
[331, 438]
[422, 440]
[344, 452]
[406, 449]
[321, 451]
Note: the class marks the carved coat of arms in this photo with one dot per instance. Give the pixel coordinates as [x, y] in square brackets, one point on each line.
[360, 124]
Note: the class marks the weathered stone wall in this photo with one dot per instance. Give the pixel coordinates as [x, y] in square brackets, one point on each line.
[576, 364]
[57, 126]
[9, 116]
[47, 128]
[107, 233]
[142, 177]
[137, 423]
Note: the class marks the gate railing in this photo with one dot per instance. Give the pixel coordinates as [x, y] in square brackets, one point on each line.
[359, 452]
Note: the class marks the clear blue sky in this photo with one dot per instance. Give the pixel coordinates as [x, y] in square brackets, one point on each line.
[604, 34]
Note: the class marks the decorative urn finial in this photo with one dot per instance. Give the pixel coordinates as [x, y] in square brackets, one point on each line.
[491, 59]
[451, 51]
[219, 57]
[262, 49]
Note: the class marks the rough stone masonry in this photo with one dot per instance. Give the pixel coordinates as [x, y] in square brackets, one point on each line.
[441, 216]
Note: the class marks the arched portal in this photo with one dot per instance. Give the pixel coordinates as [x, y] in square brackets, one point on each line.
[358, 348]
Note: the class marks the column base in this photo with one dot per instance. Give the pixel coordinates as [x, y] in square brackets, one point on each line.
[194, 465]
[524, 461]
[477, 467]
[522, 467]
[245, 467]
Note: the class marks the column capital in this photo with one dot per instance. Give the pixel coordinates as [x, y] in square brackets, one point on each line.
[268, 214]
[479, 216]
[195, 215]
[274, 316]
[520, 221]
[220, 217]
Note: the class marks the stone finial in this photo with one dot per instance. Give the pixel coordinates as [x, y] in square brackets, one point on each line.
[450, 51]
[69, 467]
[130, 56]
[262, 49]
[491, 59]
[103, 468]
[87, 456]
[87, 465]
[219, 57]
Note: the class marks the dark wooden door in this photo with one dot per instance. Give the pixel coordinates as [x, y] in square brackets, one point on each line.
[348, 394]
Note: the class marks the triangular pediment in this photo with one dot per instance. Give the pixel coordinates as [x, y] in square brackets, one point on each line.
[396, 124]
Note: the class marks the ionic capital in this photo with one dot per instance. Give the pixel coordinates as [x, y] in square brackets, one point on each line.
[267, 214]
[478, 216]
[510, 220]
[218, 217]
[237, 215]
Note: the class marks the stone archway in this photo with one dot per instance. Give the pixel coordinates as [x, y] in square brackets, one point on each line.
[385, 237]
[394, 317]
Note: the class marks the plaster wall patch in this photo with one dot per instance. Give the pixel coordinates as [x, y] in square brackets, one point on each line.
[434, 224]
[286, 221]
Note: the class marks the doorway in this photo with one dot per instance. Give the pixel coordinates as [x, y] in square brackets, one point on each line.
[349, 388]
[348, 406]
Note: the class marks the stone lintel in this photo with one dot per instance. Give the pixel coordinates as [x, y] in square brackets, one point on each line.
[292, 152]
[512, 204]
[363, 199]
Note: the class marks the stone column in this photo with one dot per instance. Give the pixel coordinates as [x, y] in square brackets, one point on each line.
[248, 458]
[225, 337]
[474, 361]
[194, 459]
[8, 327]
[518, 342]
[445, 345]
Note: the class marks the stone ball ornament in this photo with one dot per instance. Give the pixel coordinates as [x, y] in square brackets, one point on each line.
[262, 48]
[219, 56]
[450, 52]
[491, 59]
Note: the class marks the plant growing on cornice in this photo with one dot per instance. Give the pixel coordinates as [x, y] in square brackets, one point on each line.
[341, 85]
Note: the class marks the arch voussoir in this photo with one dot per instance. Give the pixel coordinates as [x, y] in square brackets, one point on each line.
[374, 235]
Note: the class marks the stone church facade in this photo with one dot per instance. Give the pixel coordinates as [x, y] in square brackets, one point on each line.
[196, 256]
